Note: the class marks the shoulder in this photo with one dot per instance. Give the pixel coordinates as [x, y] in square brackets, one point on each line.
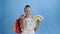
[18, 19]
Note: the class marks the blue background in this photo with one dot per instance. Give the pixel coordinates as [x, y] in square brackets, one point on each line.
[10, 10]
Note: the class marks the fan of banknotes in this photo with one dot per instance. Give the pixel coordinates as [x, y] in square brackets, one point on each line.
[38, 17]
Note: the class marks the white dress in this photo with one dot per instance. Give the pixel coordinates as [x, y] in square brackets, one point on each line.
[29, 26]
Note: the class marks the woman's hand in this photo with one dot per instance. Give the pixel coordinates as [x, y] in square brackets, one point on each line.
[38, 22]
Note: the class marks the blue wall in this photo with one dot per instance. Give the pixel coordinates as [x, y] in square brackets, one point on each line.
[10, 10]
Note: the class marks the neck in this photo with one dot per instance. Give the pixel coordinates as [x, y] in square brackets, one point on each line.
[27, 16]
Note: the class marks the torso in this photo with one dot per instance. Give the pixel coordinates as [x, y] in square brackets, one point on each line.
[29, 26]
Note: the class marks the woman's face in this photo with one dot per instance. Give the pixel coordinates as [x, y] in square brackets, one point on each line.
[27, 11]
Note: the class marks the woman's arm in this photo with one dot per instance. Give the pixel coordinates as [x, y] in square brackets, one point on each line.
[22, 23]
[38, 24]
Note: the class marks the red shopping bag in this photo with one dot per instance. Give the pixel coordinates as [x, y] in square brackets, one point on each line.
[17, 28]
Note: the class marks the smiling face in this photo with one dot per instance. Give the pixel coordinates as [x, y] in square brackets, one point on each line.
[27, 10]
